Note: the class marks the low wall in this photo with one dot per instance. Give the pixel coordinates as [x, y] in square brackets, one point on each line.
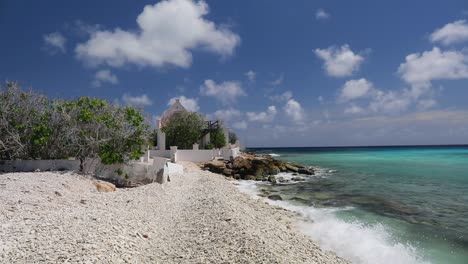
[138, 172]
[42, 165]
[160, 153]
[194, 155]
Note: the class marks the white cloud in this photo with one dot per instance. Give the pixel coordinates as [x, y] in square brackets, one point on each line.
[226, 92]
[321, 14]
[55, 42]
[282, 97]
[190, 104]
[451, 33]
[266, 116]
[104, 76]
[339, 62]
[426, 104]
[278, 81]
[167, 33]
[141, 100]
[251, 75]
[227, 114]
[354, 89]
[241, 125]
[294, 110]
[354, 109]
[420, 69]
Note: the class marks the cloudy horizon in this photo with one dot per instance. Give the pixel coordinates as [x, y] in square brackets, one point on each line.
[279, 74]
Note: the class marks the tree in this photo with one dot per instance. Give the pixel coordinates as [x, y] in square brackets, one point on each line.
[217, 138]
[34, 127]
[232, 137]
[184, 129]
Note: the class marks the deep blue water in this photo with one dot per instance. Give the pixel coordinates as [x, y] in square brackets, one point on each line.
[412, 199]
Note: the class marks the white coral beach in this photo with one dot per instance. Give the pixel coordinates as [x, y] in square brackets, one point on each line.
[198, 217]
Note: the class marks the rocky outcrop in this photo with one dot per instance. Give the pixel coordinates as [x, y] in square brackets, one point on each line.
[249, 166]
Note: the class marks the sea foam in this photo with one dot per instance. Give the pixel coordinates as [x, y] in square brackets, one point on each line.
[353, 241]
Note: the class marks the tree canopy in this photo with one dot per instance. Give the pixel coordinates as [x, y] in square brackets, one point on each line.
[184, 129]
[35, 127]
[217, 138]
[232, 137]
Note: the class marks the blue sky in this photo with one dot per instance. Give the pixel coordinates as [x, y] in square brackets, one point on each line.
[279, 73]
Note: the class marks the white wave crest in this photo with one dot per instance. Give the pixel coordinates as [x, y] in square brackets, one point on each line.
[354, 241]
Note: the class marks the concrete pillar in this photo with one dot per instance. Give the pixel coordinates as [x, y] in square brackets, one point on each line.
[173, 153]
[206, 140]
[161, 140]
[195, 146]
[226, 134]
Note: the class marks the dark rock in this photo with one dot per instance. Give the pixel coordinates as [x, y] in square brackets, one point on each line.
[250, 177]
[275, 197]
[272, 179]
[227, 172]
[281, 179]
[291, 167]
[297, 179]
[306, 171]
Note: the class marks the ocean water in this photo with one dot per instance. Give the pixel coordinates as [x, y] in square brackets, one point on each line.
[380, 204]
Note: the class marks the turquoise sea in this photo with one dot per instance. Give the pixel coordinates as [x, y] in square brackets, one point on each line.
[381, 204]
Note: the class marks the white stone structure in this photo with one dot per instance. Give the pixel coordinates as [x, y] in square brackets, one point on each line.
[196, 154]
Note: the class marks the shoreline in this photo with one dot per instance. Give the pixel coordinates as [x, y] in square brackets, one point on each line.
[197, 217]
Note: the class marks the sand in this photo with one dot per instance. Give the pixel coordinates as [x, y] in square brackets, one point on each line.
[198, 217]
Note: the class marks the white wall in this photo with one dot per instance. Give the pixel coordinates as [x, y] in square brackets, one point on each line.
[160, 153]
[42, 165]
[194, 155]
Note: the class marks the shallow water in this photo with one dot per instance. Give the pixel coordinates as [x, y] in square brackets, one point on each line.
[383, 204]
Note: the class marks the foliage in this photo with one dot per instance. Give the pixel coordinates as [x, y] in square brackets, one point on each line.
[232, 137]
[184, 129]
[153, 137]
[34, 127]
[209, 146]
[217, 138]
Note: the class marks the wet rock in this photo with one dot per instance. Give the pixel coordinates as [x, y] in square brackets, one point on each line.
[272, 179]
[250, 177]
[306, 171]
[290, 167]
[281, 179]
[275, 197]
[297, 179]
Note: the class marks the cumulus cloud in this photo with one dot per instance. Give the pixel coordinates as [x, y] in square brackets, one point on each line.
[190, 104]
[251, 75]
[339, 62]
[278, 81]
[284, 97]
[451, 33]
[139, 100]
[354, 109]
[420, 69]
[354, 89]
[321, 14]
[104, 76]
[265, 116]
[293, 109]
[241, 125]
[226, 92]
[158, 43]
[55, 42]
[227, 114]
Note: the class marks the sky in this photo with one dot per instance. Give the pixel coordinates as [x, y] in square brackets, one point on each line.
[278, 73]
